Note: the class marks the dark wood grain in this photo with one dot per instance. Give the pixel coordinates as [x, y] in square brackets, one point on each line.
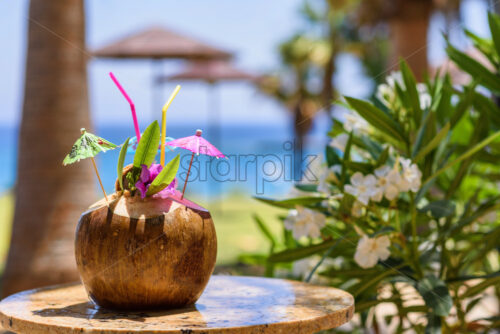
[145, 254]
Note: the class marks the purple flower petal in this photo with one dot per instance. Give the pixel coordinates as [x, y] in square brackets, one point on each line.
[173, 185]
[143, 188]
[145, 175]
[162, 194]
[154, 170]
[148, 175]
[168, 191]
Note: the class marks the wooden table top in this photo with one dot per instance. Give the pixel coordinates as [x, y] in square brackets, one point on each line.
[230, 304]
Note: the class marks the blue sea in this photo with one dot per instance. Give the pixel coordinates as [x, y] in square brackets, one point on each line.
[259, 159]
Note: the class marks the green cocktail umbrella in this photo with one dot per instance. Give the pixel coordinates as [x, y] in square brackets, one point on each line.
[88, 146]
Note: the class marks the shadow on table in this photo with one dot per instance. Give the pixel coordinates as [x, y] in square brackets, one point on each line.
[88, 310]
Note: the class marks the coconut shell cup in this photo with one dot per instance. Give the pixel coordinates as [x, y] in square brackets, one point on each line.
[140, 254]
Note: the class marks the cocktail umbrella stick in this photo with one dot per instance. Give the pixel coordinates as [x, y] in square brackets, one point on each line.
[187, 176]
[195, 144]
[88, 146]
[99, 178]
[164, 124]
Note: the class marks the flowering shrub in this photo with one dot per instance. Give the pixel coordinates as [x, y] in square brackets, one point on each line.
[404, 211]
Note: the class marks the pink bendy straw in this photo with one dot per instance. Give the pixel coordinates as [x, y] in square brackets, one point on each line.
[132, 106]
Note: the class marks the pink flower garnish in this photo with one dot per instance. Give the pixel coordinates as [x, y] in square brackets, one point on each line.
[148, 175]
[168, 191]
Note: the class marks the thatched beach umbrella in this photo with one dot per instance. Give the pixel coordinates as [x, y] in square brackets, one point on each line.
[211, 72]
[160, 43]
[157, 43]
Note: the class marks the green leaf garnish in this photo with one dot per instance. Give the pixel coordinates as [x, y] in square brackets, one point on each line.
[121, 160]
[148, 146]
[165, 177]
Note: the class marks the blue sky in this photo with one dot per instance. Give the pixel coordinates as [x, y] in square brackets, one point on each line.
[251, 29]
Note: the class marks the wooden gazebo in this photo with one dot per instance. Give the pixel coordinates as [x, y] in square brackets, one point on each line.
[157, 43]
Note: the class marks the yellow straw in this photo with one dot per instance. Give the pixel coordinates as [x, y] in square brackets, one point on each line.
[164, 123]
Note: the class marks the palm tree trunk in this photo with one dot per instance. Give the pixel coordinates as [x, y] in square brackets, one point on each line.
[409, 35]
[329, 70]
[302, 124]
[50, 197]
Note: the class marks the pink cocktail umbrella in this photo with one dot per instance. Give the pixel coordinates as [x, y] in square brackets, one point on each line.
[197, 145]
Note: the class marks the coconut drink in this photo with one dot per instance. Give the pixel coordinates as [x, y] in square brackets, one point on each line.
[145, 246]
[145, 253]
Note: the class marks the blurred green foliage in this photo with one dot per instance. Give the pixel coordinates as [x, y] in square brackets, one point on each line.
[407, 201]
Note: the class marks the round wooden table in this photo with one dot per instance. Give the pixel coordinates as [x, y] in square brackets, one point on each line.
[230, 304]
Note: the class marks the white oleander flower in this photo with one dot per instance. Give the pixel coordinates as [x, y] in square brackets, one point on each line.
[357, 209]
[386, 92]
[370, 250]
[362, 187]
[328, 176]
[304, 222]
[354, 122]
[387, 183]
[411, 176]
[395, 77]
[339, 142]
[424, 96]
